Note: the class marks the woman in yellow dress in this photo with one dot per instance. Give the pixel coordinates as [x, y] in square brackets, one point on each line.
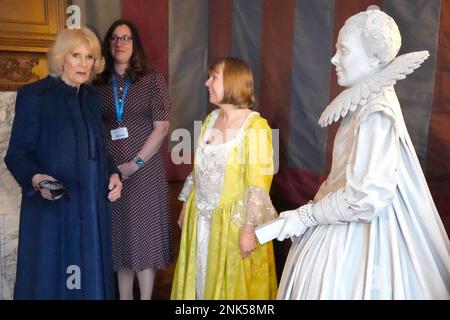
[226, 196]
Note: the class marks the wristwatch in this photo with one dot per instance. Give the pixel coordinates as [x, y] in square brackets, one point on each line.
[139, 162]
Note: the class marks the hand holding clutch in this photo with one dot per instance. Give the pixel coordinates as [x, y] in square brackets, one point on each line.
[57, 190]
[297, 221]
[48, 187]
[293, 225]
[269, 230]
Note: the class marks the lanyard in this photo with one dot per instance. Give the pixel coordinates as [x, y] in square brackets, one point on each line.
[119, 106]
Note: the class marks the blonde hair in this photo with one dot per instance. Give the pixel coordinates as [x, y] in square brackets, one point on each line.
[66, 41]
[237, 81]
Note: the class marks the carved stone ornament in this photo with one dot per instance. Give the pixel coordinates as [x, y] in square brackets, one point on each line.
[13, 70]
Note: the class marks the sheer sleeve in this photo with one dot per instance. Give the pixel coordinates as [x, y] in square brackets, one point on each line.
[371, 177]
[187, 187]
[254, 206]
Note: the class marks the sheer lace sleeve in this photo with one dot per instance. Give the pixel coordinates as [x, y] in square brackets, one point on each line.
[187, 188]
[254, 207]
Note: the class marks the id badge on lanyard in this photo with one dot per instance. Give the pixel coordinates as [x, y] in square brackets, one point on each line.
[120, 132]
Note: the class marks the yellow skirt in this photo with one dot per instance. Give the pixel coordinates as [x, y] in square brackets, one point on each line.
[228, 276]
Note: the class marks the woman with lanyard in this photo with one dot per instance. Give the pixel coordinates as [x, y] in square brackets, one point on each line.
[136, 106]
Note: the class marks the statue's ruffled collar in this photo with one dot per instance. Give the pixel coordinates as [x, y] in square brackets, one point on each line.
[351, 98]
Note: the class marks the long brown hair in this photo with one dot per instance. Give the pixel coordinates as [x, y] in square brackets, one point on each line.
[138, 62]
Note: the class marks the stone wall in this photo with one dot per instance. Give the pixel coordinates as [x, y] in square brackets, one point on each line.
[9, 202]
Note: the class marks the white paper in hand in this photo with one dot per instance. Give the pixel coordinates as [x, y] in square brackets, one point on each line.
[269, 230]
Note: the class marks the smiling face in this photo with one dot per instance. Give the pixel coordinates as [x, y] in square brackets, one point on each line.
[77, 65]
[121, 50]
[215, 85]
[351, 59]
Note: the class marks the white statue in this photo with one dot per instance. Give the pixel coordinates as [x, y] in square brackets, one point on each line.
[372, 231]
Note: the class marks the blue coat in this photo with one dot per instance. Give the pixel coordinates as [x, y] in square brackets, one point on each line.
[65, 245]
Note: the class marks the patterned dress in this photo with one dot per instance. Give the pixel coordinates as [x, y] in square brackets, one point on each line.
[210, 265]
[141, 217]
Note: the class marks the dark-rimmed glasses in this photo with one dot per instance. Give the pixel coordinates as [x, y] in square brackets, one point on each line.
[124, 38]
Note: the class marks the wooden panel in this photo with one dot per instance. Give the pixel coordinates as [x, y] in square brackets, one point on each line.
[28, 28]
[31, 25]
[32, 12]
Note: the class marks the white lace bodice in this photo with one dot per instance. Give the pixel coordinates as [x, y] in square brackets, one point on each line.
[211, 160]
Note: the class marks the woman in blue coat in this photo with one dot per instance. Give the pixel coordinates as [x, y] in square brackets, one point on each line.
[64, 244]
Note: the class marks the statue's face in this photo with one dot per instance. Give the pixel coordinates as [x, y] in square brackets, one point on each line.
[351, 60]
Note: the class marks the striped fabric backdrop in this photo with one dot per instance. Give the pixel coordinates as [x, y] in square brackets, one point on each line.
[289, 44]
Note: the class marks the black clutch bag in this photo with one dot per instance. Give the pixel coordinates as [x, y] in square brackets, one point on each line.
[56, 188]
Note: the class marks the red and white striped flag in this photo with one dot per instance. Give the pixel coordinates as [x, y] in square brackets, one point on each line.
[289, 44]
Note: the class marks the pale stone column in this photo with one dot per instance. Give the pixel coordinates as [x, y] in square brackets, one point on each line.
[9, 202]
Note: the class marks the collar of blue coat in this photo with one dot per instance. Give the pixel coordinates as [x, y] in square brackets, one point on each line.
[54, 82]
[358, 95]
